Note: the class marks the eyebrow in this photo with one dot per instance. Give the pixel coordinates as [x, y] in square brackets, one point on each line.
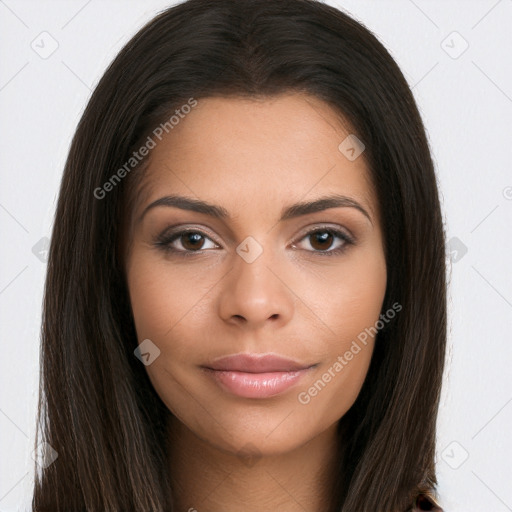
[292, 211]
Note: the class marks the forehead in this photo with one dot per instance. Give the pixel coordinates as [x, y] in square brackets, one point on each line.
[256, 153]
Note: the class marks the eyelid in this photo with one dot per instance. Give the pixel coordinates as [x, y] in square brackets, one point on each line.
[171, 234]
[179, 229]
[318, 226]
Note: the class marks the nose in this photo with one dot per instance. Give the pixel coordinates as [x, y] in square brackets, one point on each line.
[254, 294]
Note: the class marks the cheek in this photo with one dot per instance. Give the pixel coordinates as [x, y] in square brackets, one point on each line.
[333, 390]
[152, 303]
[349, 302]
[169, 320]
[348, 297]
[171, 308]
[164, 297]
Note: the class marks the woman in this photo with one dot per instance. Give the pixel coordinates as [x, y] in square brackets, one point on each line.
[245, 302]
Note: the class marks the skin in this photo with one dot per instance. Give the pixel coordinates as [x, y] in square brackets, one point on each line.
[253, 158]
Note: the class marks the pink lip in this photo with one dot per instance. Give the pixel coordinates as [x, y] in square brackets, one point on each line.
[256, 376]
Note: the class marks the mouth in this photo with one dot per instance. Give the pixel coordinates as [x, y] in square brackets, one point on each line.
[256, 376]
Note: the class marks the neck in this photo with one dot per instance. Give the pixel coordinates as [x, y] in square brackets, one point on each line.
[206, 478]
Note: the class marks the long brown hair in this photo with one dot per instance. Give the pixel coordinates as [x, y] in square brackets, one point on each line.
[97, 407]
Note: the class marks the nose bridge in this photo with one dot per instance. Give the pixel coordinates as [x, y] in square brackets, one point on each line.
[254, 291]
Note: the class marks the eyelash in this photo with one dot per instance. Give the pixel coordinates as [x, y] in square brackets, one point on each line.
[165, 240]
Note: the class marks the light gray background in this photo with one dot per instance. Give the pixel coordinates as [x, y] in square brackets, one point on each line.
[466, 101]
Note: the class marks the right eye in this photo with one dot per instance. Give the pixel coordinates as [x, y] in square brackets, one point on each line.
[191, 241]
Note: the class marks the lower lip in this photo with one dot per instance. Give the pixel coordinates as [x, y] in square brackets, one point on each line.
[256, 385]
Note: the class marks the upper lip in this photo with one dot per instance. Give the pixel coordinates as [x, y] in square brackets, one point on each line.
[256, 363]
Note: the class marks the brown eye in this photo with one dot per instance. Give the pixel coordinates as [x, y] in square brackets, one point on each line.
[192, 240]
[185, 242]
[327, 241]
[321, 240]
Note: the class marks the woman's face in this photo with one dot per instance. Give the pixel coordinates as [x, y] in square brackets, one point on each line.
[255, 276]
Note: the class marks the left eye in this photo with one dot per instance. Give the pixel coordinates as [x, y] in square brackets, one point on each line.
[321, 240]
